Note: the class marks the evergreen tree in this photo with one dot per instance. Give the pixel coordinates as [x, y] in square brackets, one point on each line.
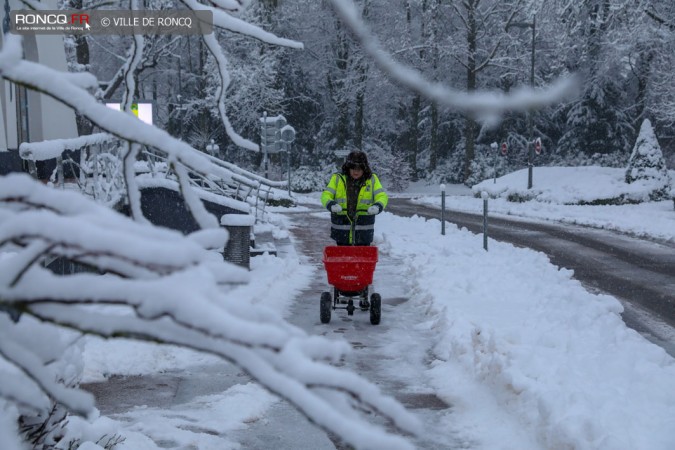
[647, 164]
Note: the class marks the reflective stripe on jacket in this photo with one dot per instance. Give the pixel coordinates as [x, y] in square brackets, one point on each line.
[361, 230]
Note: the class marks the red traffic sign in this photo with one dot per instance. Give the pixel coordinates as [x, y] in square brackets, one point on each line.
[505, 148]
[537, 146]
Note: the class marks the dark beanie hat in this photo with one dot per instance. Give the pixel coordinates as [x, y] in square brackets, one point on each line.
[357, 159]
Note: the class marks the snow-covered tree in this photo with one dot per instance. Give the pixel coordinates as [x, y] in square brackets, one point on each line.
[595, 122]
[646, 163]
[391, 167]
[619, 48]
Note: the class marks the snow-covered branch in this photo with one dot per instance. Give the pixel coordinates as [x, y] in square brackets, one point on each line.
[221, 19]
[124, 126]
[151, 284]
[42, 151]
[26, 361]
[150, 274]
[221, 63]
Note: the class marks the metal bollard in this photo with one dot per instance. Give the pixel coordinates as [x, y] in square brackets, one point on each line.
[484, 196]
[494, 148]
[443, 209]
[288, 166]
[60, 178]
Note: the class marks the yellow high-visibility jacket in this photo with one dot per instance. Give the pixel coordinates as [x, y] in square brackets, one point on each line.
[361, 230]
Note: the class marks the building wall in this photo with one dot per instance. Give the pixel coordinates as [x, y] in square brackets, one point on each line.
[47, 118]
[4, 91]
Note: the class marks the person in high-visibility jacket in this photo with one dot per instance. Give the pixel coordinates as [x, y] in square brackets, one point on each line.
[354, 197]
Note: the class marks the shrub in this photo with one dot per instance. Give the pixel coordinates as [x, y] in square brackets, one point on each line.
[307, 179]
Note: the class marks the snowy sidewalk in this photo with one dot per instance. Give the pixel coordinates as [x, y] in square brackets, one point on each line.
[525, 357]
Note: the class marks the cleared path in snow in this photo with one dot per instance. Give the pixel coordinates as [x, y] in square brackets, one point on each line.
[399, 375]
[396, 354]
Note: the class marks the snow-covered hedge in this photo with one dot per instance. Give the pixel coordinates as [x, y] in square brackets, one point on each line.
[310, 179]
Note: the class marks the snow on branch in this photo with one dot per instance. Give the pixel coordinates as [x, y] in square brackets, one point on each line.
[222, 19]
[29, 363]
[221, 62]
[244, 176]
[149, 251]
[231, 5]
[167, 289]
[486, 105]
[120, 124]
[44, 150]
[52, 83]
[124, 126]
[131, 150]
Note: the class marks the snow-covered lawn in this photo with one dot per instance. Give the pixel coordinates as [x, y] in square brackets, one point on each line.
[550, 353]
[556, 192]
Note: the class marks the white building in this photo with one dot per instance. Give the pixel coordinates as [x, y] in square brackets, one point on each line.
[27, 116]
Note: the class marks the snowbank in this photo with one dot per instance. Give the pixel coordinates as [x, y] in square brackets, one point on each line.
[557, 357]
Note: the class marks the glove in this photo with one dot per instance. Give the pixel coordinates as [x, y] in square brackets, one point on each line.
[336, 208]
[372, 210]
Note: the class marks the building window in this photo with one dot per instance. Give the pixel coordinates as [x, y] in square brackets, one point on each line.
[22, 130]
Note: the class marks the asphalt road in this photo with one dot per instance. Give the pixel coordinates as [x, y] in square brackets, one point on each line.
[638, 271]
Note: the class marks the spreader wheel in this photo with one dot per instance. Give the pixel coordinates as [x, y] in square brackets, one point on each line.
[375, 308]
[325, 307]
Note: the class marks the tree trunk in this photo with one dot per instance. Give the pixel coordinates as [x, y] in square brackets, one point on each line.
[343, 124]
[84, 126]
[359, 116]
[342, 103]
[433, 139]
[414, 135]
[470, 124]
[433, 41]
[416, 104]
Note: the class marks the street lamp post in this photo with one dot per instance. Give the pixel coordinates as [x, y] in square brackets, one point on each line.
[180, 116]
[179, 94]
[530, 119]
[287, 137]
